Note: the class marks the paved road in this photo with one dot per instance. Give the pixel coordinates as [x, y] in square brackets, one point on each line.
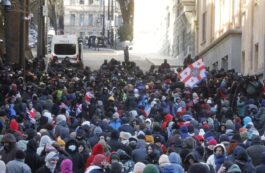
[94, 58]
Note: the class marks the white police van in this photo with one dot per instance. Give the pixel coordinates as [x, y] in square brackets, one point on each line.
[66, 46]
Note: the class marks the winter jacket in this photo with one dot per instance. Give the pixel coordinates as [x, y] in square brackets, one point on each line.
[45, 140]
[115, 124]
[168, 168]
[71, 147]
[217, 161]
[255, 152]
[9, 153]
[94, 169]
[261, 167]
[244, 162]
[97, 149]
[139, 154]
[43, 169]
[175, 160]
[17, 166]
[233, 169]
[32, 158]
[61, 130]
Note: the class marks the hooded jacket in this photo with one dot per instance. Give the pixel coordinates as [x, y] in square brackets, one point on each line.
[71, 147]
[32, 158]
[217, 161]
[45, 140]
[175, 160]
[139, 153]
[97, 149]
[261, 167]
[10, 152]
[234, 169]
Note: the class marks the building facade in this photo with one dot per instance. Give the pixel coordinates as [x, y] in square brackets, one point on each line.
[253, 37]
[218, 33]
[91, 17]
[179, 38]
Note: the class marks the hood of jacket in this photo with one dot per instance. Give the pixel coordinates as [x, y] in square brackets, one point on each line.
[45, 140]
[174, 158]
[220, 145]
[9, 138]
[167, 168]
[32, 146]
[234, 169]
[98, 149]
[71, 146]
[140, 144]
[14, 125]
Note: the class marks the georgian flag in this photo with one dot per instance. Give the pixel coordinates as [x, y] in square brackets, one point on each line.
[193, 74]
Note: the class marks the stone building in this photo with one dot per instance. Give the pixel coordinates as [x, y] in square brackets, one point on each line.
[218, 33]
[253, 37]
[179, 38]
[85, 17]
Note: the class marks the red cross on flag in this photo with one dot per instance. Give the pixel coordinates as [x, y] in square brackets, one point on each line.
[193, 74]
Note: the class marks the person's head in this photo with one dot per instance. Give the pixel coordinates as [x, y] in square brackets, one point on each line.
[198, 168]
[150, 149]
[51, 160]
[218, 150]
[20, 155]
[99, 160]
[8, 141]
[115, 167]
[139, 167]
[66, 166]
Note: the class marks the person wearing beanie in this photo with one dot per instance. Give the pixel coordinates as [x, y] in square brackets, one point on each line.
[9, 150]
[66, 166]
[18, 165]
[124, 137]
[150, 168]
[50, 163]
[199, 168]
[2, 167]
[165, 165]
[98, 164]
[114, 157]
[139, 167]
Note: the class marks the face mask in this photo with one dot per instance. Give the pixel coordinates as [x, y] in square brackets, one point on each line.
[72, 147]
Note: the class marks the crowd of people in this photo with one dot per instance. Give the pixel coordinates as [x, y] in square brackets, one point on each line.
[119, 119]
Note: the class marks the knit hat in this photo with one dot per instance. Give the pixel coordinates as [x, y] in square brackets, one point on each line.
[138, 167]
[125, 135]
[98, 159]
[60, 142]
[198, 168]
[149, 139]
[60, 118]
[67, 166]
[150, 168]
[48, 115]
[114, 156]
[2, 167]
[212, 142]
[163, 159]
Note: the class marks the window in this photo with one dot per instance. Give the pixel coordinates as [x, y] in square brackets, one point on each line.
[256, 60]
[91, 2]
[81, 19]
[81, 2]
[65, 49]
[72, 19]
[243, 63]
[224, 64]
[90, 19]
[204, 16]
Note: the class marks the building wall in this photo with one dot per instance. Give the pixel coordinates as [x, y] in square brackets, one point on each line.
[253, 37]
[218, 32]
[73, 7]
[180, 33]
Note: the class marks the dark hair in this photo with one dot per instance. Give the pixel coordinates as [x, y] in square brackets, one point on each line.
[20, 154]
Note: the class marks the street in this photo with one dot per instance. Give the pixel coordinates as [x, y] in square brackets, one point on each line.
[94, 59]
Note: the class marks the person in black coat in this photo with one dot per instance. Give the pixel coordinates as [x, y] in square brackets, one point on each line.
[32, 158]
[115, 144]
[71, 147]
[261, 167]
